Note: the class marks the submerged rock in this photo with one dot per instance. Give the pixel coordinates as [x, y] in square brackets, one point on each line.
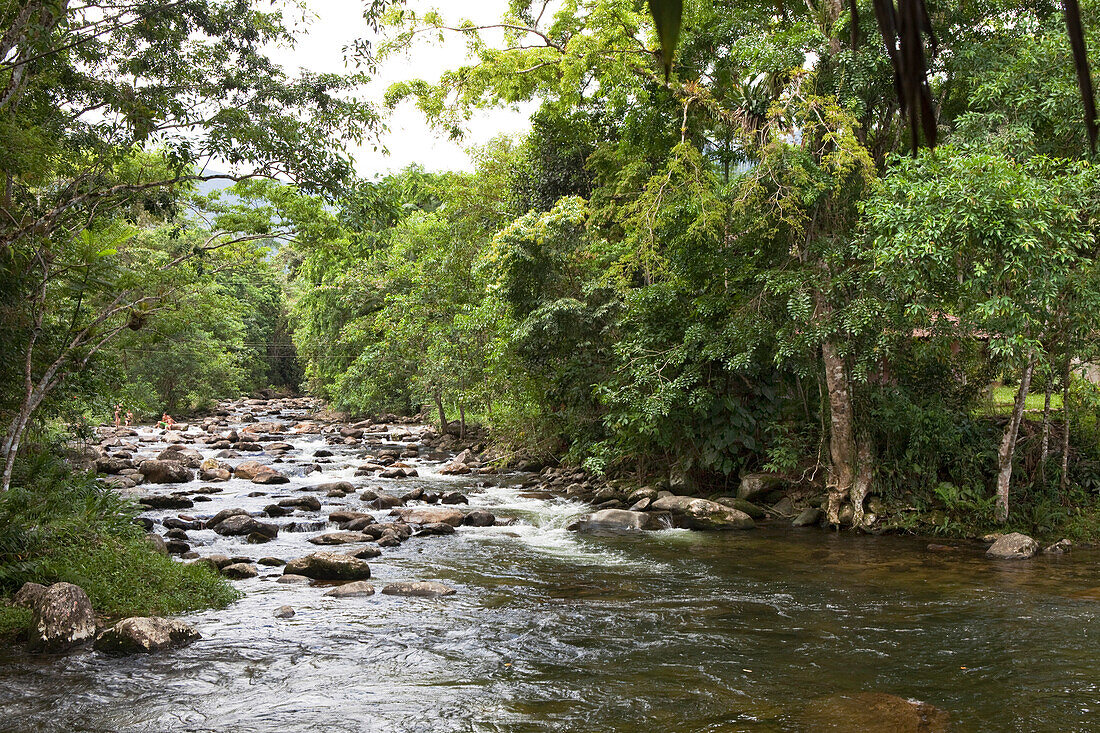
[874, 711]
[143, 634]
[422, 589]
[328, 566]
[63, 617]
[1014, 546]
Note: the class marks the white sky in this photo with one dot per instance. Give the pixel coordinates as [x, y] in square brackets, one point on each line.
[410, 139]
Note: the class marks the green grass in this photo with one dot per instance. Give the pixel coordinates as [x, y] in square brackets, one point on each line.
[1002, 399]
[13, 621]
[59, 526]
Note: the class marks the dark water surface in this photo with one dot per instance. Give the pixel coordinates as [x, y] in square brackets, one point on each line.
[666, 631]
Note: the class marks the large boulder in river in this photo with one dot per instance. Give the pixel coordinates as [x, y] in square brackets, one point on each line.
[617, 520]
[63, 617]
[703, 514]
[328, 566]
[165, 472]
[429, 515]
[144, 634]
[1014, 546]
[754, 485]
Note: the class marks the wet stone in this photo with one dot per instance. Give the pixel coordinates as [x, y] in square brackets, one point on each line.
[240, 571]
[421, 589]
[357, 589]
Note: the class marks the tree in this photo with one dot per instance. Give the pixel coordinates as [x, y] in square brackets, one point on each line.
[86, 88]
[983, 246]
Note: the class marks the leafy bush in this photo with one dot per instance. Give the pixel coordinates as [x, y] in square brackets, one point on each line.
[56, 525]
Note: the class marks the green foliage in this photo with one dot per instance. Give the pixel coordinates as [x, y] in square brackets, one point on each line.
[59, 526]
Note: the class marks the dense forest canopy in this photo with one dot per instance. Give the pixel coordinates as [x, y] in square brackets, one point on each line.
[689, 268]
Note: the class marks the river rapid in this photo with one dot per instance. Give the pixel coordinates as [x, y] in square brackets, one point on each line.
[773, 629]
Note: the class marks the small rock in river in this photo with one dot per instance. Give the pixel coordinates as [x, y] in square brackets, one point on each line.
[1014, 546]
[293, 579]
[423, 589]
[1059, 548]
[365, 553]
[240, 571]
[339, 538]
[479, 518]
[809, 517]
[284, 612]
[358, 589]
[145, 634]
[435, 528]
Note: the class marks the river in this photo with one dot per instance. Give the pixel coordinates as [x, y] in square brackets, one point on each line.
[554, 631]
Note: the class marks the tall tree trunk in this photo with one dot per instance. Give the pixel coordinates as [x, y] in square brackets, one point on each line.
[462, 421]
[1063, 480]
[438, 395]
[1007, 452]
[842, 442]
[865, 474]
[1044, 454]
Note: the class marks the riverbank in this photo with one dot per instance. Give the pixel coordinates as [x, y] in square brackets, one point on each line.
[127, 574]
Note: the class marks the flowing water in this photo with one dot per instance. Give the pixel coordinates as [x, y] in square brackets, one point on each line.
[554, 631]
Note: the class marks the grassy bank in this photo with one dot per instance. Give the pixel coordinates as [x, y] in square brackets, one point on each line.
[59, 526]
